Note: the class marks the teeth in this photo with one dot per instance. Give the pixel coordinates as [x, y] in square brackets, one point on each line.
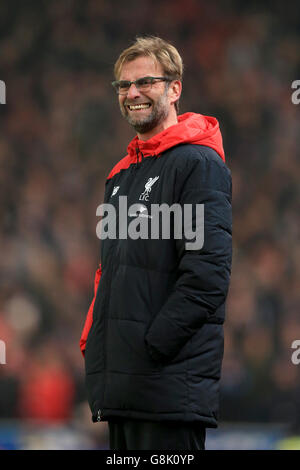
[139, 106]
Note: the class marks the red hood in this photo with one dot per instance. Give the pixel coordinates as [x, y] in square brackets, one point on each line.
[191, 128]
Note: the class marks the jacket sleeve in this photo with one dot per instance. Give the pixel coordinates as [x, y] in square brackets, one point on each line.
[89, 317]
[203, 274]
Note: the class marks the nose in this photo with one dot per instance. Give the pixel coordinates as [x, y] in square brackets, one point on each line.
[133, 92]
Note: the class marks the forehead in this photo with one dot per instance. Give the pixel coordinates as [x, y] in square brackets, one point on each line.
[140, 67]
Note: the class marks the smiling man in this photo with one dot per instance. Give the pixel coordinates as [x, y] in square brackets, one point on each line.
[153, 336]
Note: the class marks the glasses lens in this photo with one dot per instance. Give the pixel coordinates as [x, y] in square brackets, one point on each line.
[123, 87]
[143, 84]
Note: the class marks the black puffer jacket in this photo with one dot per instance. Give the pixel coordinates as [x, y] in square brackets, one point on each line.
[153, 337]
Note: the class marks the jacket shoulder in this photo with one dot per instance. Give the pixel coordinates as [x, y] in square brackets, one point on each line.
[201, 166]
[189, 154]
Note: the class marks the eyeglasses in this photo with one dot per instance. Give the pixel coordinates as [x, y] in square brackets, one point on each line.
[143, 84]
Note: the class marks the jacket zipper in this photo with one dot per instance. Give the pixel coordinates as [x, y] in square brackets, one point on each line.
[99, 417]
[139, 160]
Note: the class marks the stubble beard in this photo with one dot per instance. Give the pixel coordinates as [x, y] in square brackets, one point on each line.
[145, 124]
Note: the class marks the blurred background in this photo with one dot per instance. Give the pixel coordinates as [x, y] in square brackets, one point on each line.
[61, 132]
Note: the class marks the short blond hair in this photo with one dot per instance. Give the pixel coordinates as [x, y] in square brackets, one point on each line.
[160, 51]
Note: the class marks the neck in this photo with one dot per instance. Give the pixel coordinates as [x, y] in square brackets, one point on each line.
[171, 120]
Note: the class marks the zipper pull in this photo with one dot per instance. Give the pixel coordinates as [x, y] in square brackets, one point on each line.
[99, 415]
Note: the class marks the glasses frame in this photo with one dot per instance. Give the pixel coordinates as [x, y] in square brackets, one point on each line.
[116, 83]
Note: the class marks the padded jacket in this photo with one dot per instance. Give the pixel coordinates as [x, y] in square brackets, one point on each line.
[153, 336]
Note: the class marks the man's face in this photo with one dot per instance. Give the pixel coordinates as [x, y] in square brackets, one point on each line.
[156, 98]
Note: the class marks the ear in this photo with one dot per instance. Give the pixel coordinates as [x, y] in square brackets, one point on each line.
[174, 91]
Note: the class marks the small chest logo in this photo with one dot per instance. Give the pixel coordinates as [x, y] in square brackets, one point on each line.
[148, 186]
[115, 190]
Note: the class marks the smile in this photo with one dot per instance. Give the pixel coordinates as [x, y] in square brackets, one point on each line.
[134, 107]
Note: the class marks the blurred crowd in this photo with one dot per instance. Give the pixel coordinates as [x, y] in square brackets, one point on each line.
[61, 133]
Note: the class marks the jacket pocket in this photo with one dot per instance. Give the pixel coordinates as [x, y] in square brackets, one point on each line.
[126, 348]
